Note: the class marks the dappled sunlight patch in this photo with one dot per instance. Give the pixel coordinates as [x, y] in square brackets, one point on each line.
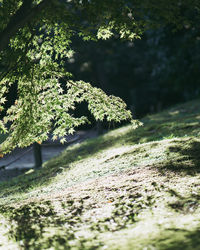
[158, 227]
[118, 131]
[174, 112]
[113, 192]
[5, 241]
[104, 212]
[105, 163]
[114, 153]
[75, 213]
[153, 233]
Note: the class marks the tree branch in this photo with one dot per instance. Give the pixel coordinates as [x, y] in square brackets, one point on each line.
[11, 68]
[23, 15]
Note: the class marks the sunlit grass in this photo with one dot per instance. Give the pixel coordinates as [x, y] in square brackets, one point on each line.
[128, 189]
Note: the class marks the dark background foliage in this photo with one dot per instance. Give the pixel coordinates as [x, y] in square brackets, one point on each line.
[150, 74]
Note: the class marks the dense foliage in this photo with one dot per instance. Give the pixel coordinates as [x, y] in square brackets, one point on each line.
[35, 39]
[150, 74]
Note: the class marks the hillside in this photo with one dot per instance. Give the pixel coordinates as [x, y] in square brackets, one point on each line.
[128, 189]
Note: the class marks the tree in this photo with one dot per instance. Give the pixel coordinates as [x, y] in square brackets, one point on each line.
[35, 38]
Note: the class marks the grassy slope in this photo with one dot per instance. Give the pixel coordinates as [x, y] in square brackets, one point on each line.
[129, 189]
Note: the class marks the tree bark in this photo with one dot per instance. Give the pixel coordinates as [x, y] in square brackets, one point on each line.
[37, 155]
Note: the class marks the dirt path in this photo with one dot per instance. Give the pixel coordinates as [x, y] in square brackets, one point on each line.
[20, 160]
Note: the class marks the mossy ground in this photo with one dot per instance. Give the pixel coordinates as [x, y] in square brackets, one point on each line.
[128, 189]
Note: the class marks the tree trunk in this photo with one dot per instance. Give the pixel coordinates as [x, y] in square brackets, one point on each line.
[99, 127]
[37, 155]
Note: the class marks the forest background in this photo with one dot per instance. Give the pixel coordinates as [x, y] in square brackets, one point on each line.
[150, 74]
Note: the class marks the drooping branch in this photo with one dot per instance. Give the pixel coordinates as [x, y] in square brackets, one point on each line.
[23, 15]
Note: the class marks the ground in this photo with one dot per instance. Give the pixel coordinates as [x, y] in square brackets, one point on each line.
[22, 159]
[128, 189]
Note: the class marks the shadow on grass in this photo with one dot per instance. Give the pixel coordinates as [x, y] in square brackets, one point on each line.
[54, 225]
[7, 174]
[158, 130]
[38, 226]
[42, 226]
[186, 159]
[177, 239]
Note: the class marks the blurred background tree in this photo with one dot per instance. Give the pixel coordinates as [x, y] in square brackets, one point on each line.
[150, 74]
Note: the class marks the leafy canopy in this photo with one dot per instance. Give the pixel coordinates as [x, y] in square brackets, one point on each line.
[35, 38]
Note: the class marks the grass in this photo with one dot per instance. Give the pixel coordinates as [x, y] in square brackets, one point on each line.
[128, 189]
